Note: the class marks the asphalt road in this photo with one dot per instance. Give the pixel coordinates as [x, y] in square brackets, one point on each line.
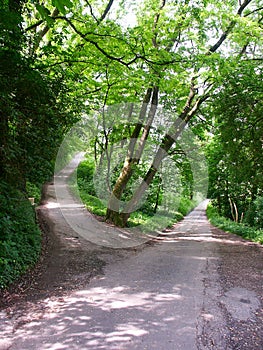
[182, 292]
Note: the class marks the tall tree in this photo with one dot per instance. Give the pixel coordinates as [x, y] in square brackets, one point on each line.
[235, 154]
[33, 106]
[175, 55]
[193, 102]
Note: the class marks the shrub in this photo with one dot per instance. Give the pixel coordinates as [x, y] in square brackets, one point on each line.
[85, 174]
[33, 191]
[254, 216]
[186, 205]
[247, 232]
[20, 237]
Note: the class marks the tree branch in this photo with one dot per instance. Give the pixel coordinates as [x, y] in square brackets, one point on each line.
[156, 20]
[68, 62]
[35, 25]
[229, 29]
[106, 11]
[243, 6]
[254, 11]
[91, 11]
[44, 31]
[148, 124]
[94, 43]
[46, 28]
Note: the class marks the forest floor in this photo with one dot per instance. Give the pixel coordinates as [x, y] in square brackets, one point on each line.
[191, 287]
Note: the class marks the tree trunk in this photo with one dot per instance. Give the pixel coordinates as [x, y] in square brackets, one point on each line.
[169, 139]
[158, 196]
[133, 156]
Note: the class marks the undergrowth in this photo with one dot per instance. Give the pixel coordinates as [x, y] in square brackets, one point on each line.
[151, 221]
[241, 229]
[20, 237]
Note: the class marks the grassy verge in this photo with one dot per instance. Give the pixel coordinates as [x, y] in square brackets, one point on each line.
[148, 221]
[152, 222]
[20, 237]
[247, 232]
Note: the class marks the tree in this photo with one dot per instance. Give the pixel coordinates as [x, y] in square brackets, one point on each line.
[176, 55]
[34, 114]
[235, 153]
[191, 107]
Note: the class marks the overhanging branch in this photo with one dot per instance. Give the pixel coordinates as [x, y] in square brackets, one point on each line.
[232, 24]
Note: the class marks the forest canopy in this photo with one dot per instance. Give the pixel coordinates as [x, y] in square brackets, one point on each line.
[65, 59]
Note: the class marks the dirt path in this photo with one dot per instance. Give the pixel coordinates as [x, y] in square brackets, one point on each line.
[193, 287]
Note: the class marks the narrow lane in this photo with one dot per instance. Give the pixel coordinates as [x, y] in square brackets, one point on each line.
[155, 299]
[195, 288]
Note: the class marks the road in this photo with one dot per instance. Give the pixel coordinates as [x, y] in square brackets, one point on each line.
[192, 288]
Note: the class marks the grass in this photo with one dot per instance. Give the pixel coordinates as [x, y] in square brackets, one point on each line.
[148, 222]
[250, 233]
[166, 216]
[137, 218]
[93, 204]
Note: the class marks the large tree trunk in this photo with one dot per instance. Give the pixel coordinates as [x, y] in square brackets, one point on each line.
[133, 155]
[169, 139]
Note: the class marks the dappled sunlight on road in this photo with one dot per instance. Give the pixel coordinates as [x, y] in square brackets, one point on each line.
[149, 299]
[122, 297]
[110, 318]
[195, 227]
[162, 297]
[52, 205]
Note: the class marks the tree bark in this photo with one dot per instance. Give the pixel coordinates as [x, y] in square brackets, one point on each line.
[133, 155]
[169, 139]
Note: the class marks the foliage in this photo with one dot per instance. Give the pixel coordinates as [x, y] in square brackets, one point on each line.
[182, 50]
[34, 115]
[92, 203]
[85, 173]
[235, 153]
[20, 238]
[254, 215]
[85, 183]
[35, 123]
[34, 106]
[33, 191]
[200, 60]
[186, 205]
[247, 232]
[71, 145]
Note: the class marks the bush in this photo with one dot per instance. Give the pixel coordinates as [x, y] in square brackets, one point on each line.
[254, 216]
[249, 233]
[33, 191]
[186, 205]
[93, 204]
[85, 173]
[20, 237]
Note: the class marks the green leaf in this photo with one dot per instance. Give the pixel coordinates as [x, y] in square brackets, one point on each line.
[45, 14]
[61, 5]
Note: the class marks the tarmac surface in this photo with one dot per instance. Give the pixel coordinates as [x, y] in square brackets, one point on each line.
[192, 287]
